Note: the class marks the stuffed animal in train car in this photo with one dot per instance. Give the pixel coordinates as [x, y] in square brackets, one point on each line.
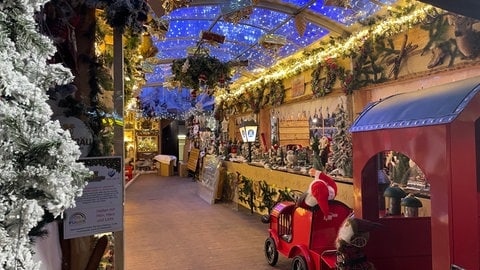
[351, 239]
[322, 189]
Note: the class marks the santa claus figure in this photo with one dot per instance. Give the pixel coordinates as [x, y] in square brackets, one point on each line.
[352, 237]
[321, 190]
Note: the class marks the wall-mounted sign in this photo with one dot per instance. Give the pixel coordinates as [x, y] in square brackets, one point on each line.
[298, 86]
[100, 208]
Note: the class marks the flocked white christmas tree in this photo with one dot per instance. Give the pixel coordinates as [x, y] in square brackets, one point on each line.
[342, 143]
[38, 160]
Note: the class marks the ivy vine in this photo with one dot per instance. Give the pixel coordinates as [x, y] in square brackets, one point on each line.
[267, 194]
[247, 193]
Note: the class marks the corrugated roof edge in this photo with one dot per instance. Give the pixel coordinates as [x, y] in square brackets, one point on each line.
[468, 88]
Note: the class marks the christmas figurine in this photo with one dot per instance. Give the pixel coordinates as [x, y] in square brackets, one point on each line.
[322, 189]
[351, 239]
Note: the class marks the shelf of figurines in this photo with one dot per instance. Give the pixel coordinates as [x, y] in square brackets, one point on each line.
[287, 164]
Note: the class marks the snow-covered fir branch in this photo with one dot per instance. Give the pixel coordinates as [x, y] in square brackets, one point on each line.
[40, 171]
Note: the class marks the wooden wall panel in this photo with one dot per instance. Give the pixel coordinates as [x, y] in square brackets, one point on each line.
[294, 132]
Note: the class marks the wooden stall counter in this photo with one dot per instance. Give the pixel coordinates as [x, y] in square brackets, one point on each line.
[282, 179]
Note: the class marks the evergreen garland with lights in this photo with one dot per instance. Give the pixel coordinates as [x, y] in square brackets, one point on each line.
[399, 20]
[277, 93]
[40, 173]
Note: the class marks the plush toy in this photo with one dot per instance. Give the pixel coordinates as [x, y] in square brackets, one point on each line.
[321, 190]
[352, 237]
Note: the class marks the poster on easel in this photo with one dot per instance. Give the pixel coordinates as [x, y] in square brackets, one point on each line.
[209, 178]
[193, 159]
[100, 208]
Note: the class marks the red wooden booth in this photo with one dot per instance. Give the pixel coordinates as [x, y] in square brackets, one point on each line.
[438, 128]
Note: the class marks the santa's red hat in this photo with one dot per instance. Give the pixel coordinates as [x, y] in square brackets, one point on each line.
[323, 189]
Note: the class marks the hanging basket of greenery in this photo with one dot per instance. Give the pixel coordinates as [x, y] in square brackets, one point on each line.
[189, 70]
[126, 14]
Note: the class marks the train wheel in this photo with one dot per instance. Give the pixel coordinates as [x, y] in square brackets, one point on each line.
[271, 252]
[299, 263]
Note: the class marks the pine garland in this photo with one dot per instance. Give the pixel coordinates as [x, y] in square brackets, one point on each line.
[267, 193]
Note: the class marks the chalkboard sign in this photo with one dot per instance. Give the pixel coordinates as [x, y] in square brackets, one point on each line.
[209, 177]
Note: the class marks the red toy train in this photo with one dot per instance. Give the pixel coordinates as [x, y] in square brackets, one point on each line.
[437, 128]
[315, 242]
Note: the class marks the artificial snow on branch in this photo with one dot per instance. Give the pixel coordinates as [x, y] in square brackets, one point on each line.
[40, 173]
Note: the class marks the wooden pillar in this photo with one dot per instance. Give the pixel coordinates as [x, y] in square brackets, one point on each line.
[118, 140]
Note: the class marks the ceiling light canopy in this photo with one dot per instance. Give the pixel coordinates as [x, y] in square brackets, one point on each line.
[244, 25]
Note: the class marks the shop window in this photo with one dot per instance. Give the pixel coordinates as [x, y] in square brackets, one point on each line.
[399, 171]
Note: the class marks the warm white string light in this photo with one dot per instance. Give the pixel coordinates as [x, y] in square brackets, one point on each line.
[383, 28]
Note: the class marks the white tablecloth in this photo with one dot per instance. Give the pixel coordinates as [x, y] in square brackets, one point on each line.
[166, 159]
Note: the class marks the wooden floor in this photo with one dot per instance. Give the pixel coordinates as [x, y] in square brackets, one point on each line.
[168, 226]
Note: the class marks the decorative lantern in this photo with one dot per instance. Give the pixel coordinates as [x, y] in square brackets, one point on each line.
[411, 205]
[248, 130]
[394, 195]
